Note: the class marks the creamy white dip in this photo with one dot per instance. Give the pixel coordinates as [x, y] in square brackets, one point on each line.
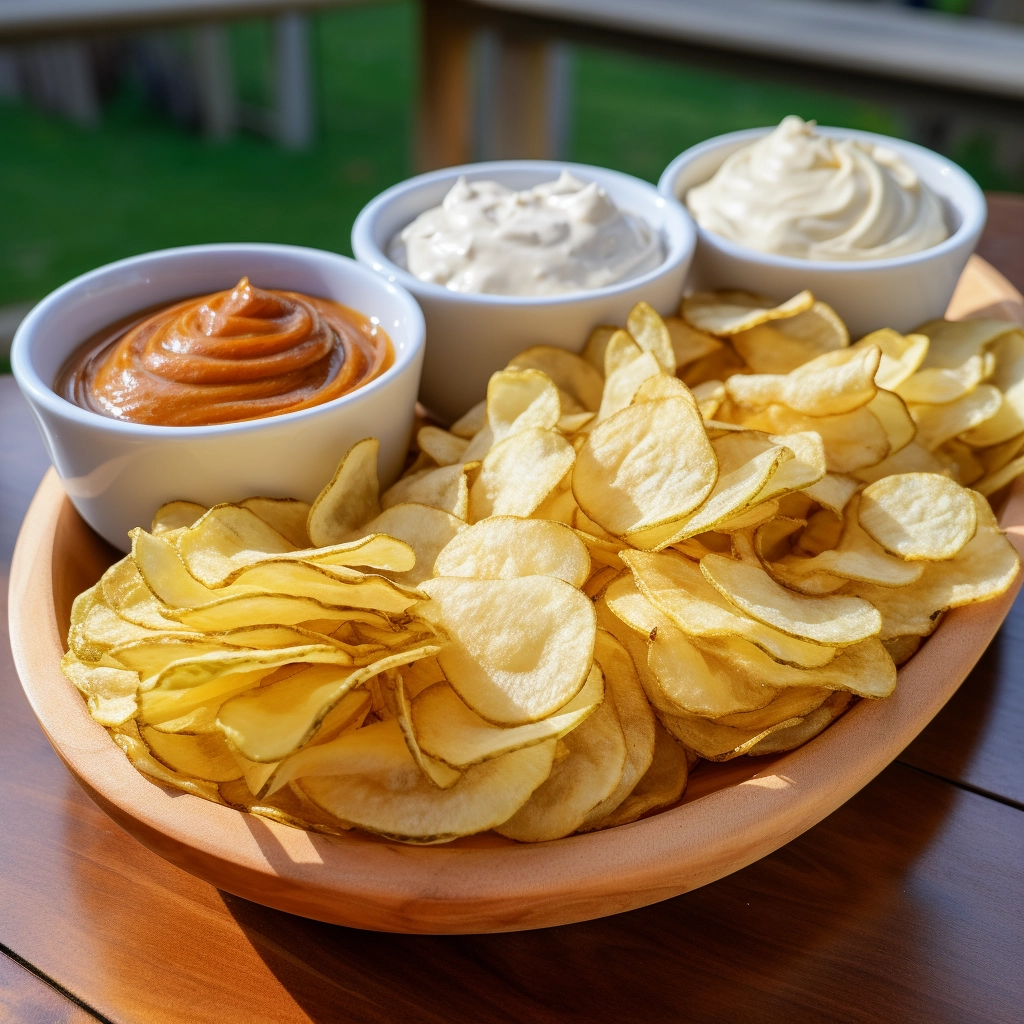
[558, 237]
[797, 193]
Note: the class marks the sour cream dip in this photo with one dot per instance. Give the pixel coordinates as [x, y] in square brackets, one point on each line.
[555, 238]
[797, 193]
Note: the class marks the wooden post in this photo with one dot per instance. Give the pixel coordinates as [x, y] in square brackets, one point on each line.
[444, 131]
[293, 111]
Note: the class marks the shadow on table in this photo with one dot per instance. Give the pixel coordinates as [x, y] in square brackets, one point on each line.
[783, 937]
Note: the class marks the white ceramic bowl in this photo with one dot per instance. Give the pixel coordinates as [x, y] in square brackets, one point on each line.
[470, 336]
[901, 292]
[118, 474]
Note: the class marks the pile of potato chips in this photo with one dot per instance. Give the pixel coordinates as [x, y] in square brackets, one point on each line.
[701, 538]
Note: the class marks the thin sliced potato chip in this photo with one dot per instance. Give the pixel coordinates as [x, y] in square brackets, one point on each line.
[782, 345]
[520, 649]
[650, 333]
[444, 488]
[202, 757]
[911, 459]
[288, 516]
[622, 384]
[368, 778]
[919, 516]
[679, 589]
[689, 344]
[520, 399]
[891, 411]
[469, 424]
[594, 350]
[938, 423]
[831, 621]
[647, 465]
[175, 515]
[519, 473]
[571, 373]
[577, 783]
[505, 547]
[726, 313]
[901, 355]
[442, 446]
[1008, 422]
[350, 499]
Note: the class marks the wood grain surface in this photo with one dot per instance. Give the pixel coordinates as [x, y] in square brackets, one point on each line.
[26, 998]
[905, 905]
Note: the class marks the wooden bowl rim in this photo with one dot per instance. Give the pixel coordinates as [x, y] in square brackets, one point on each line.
[369, 883]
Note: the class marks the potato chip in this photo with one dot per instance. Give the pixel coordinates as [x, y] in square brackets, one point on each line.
[709, 395]
[891, 411]
[938, 423]
[901, 355]
[747, 461]
[810, 726]
[110, 691]
[919, 516]
[661, 786]
[505, 547]
[350, 499]
[833, 383]
[791, 702]
[679, 590]
[647, 465]
[636, 720]
[174, 515]
[901, 648]
[1008, 422]
[442, 446]
[368, 778]
[726, 313]
[857, 556]
[719, 365]
[620, 350]
[993, 482]
[287, 516]
[806, 468]
[441, 775]
[577, 783]
[622, 384]
[984, 568]
[852, 440]
[519, 649]
[661, 385]
[520, 399]
[444, 488]
[651, 334]
[717, 742]
[910, 459]
[127, 737]
[519, 473]
[782, 345]
[594, 350]
[689, 344]
[202, 757]
[831, 621]
[452, 733]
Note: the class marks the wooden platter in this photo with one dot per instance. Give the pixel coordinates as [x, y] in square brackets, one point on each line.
[731, 815]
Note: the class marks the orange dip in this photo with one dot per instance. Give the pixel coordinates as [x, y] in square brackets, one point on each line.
[235, 355]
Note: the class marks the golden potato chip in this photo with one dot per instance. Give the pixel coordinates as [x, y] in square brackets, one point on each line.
[288, 516]
[520, 399]
[594, 350]
[831, 621]
[174, 515]
[427, 530]
[910, 459]
[647, 465]
[901, 648]
[901, 355]
[719, 365]
[996, 481]
[810, 726]
[578, 782]
[689, 344]
[984, 568]
[452, 733]
[805, 469]
[571, 373]
[444, 488]
[368, 778]
[519, 649]
[833, 383]
[127, 737]
[891, 411]
[661, 786]
[519, 473]
[650, 333]
[470, 423]
[709, 395]
[505, 547]
[857, 556]
[919, 516]
[675, 587]
[276, 719]
[96, 627]
[442, 446]
[350, 499]
[938, 423]
[791, 702]
[620, 350]
[752, 515]
[110, 691]
[622, 384]
[1008, 422]
[747, 461]
[726, 313]
[441, 775]
[125, 592]
[782, 345]
[717, 742]
[851, 440]
[661, 385]
[202, 757]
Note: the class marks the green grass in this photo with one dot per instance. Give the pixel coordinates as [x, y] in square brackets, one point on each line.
[74, 199]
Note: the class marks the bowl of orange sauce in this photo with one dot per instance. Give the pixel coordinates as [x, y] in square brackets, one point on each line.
[214, 372]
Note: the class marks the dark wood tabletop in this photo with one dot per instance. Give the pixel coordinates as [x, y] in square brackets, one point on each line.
[905, 905]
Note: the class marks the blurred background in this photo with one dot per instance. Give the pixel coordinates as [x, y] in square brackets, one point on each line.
[131, 125]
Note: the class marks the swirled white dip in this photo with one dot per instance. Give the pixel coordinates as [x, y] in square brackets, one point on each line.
[558, 237]
[797, 193]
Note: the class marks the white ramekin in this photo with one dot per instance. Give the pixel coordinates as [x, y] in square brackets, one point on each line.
[901, 292]
[470, 336]
[117, 474]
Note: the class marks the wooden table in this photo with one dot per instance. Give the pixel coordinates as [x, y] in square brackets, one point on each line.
[906, 905]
